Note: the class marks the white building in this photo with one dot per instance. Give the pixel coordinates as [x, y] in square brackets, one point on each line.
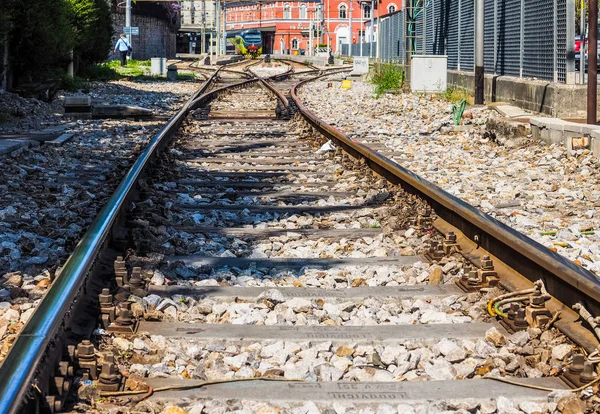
[197, 32]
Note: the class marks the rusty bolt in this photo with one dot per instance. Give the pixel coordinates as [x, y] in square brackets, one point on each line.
[85, 350]
[123, 293]
[451, 237]
[109, 374]
[136, 280]
[105, 298]
[537, 300]
[465, 276]
[520, 320]
[512, 313]
[65, 369]
[136, 272]
[124, 314]
[588, 374]
[487, 263]
[474, 278]
[54, 403]
[577, 364]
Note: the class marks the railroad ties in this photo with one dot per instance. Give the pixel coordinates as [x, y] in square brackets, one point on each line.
[285, 274]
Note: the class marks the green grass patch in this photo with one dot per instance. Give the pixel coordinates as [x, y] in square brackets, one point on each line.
[102, 72]
[454, 95]
[386, 77]
[183, 76]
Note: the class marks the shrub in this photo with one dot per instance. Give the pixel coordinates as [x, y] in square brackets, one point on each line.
[39, 37]
[93, 28]
[387, 77]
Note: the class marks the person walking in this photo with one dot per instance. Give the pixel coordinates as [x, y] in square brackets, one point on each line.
[123, 47]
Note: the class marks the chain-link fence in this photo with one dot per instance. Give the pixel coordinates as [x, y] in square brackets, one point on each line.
[525, 38]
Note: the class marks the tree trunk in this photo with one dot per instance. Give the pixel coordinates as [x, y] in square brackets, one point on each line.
[5, 67]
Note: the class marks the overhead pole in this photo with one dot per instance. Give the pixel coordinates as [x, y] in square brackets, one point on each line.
[350, 28]
[592, 99]
[582, 44]
[361, 32]
[128, 22]
[372, 28]
[218, 27]
[479, 69]
[203, 29]
[224, 40]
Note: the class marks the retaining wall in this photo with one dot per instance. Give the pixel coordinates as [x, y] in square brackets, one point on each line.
[157, 37]
[554, 99]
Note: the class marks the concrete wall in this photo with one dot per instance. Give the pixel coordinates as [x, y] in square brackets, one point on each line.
[157, 38]
[554, 99]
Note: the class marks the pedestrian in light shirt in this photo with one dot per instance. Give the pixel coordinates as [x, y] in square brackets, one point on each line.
[123, 47]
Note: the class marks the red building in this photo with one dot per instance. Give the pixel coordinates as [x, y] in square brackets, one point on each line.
[286, 24]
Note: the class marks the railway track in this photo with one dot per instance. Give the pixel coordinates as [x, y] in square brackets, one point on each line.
[246, 263]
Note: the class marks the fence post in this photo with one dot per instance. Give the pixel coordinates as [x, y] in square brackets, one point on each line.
[555, 40]
[570, 46]
[459, 33]
[522, 40]
[479, 65]
[496, 35]
[424, 29]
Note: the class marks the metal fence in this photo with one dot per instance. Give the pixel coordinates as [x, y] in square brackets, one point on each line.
[525, 38]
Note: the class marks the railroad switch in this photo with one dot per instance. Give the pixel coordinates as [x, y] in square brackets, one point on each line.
[476, 279]
[110, 378]
[120, 271]
[86, 358]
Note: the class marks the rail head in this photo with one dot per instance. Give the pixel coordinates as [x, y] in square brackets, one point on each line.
[564, 280]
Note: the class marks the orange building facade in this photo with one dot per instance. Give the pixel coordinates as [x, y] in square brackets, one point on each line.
[286, 25]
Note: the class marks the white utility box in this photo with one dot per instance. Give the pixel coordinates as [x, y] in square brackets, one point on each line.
[429, 73]
[360, 65]
[158, 66]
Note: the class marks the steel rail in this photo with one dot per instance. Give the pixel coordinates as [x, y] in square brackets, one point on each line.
[22, 362]
[17, 373]
[566, 281]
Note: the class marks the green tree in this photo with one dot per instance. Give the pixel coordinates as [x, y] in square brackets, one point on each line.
[40, 37]
[93, 28]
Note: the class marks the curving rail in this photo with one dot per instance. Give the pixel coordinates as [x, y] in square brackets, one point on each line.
[564, 280]
[19, 372]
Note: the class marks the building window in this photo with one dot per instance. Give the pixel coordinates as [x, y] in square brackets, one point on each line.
[303, 11]
[367, 12]
[294, 43]
[342, 11]
[287, 12]
[392, 8]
